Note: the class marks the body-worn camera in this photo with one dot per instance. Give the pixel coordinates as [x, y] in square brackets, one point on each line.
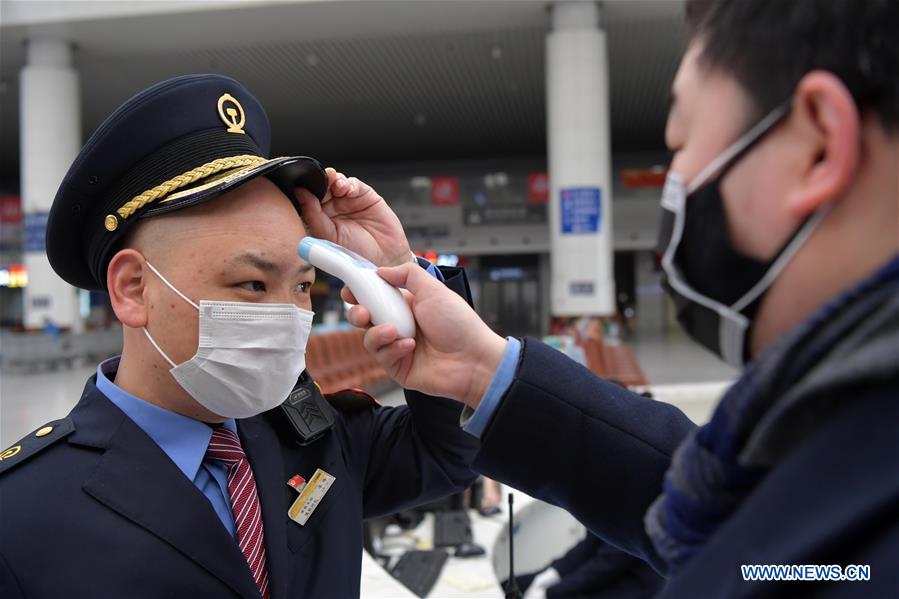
[306, 411]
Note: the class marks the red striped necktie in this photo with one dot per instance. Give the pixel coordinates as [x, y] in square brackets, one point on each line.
[225, 447]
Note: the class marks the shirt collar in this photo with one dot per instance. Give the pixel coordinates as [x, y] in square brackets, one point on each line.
[183, 439]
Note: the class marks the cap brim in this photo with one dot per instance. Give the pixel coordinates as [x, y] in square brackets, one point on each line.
[288, 173]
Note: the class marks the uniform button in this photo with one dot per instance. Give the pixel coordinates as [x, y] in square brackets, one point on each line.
[44, 431]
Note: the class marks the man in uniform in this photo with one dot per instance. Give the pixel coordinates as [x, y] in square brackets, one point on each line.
[170, 476]
[780, 250]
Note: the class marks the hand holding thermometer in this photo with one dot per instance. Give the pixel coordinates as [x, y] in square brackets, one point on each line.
[384, 301]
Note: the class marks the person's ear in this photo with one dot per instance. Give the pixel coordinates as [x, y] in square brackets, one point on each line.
[126, 283]
[825, 113]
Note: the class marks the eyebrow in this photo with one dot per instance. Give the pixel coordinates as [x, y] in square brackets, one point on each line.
[268, 266]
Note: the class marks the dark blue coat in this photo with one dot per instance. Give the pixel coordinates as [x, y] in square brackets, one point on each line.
[103, 512]
[600, 452]
[593, 568]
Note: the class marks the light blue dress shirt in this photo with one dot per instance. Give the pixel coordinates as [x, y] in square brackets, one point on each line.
[183, 439]
[475, 422]
[430, 268]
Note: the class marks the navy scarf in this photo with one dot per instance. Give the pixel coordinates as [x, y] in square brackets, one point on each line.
[754, 425]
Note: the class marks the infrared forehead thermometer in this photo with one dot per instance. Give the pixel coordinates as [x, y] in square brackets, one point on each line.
[383, 300]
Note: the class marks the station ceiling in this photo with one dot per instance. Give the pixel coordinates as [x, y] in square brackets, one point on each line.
[361, 81]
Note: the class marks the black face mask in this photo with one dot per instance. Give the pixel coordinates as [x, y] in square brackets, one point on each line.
[715, 289]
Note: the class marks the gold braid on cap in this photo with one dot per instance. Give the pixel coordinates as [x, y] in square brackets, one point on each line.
[192, 176]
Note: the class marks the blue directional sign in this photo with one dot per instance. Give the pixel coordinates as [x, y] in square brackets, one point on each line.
[581, 210]
[35, 231]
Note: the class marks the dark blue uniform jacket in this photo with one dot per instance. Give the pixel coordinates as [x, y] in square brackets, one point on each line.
[103, 512]
[599, 451]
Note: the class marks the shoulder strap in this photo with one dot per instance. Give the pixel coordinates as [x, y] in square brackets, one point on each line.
[34, 442]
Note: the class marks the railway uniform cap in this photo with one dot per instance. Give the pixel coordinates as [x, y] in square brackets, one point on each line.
[177, 144]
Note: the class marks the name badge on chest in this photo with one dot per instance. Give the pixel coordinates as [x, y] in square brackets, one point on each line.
[311, 494]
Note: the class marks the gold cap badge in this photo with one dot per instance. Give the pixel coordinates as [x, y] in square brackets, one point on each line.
[232, 114]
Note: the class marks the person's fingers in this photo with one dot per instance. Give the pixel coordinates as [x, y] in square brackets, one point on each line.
[377, 337]
[347, 187]
[393, 352]
[359, 317]
[411, 276]
[341, 186]
[396, 275]
[347, 296]
[407, 295]
[357, 188]
[362, 188]
[304, 196]
[319, 223]
[331, 176]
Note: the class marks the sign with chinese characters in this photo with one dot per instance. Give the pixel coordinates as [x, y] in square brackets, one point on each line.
[35, 231]
[10, 209]
[538, 188]
[581, 210]
[444, 191]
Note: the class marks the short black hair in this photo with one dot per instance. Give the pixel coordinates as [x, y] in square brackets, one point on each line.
[769, 45]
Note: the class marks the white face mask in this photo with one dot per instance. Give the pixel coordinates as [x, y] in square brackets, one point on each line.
[249, 356]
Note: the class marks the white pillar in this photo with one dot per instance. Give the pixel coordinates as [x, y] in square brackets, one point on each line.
[579, 156]
[50, 137]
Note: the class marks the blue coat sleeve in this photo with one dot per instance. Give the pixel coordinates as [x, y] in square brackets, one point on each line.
[419, 452]
[566, 436]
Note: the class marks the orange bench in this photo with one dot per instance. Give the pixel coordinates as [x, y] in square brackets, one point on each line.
[338, 361]
[625, 367]
[610, 361]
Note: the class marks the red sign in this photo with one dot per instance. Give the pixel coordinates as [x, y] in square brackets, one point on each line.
[10, 209]
[444, 191]
[538, 188]
[636, 178]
